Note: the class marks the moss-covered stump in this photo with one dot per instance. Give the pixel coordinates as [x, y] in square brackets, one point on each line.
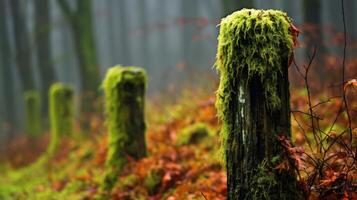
[124, 89]
[61, 112]
[193, 134]
[254, 47]
[33, 113]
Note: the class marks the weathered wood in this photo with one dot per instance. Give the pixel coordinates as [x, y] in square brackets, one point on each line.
[253, 103]
[61, 112]
[124, 89]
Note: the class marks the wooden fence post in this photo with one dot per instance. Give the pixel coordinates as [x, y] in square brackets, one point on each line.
[254, 47]
[61, 112]
[33, 113]
[124, 89]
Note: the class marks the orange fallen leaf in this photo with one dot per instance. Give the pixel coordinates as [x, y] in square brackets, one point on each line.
[284, 166]
[351, 83]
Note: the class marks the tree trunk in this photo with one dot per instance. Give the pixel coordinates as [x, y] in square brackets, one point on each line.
[253, 103]
[43, 44]
[124, 89]
[145, 50]
[80, 21]
[187, 11]
[82, 26]
[22, 44]
[230, 6]
[124, 32]
[312, 16]
[313, 35]
[7, 79]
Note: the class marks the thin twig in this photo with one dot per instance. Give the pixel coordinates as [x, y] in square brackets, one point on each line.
[308, 114]
[306, 78]
[304, 132]
[343, 72]
[203, 196]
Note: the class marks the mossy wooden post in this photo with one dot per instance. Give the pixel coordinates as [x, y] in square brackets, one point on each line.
[124, 89]
[254, 47]
[61, 112]
[33, 113]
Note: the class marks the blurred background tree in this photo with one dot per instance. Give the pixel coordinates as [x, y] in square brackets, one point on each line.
[23, 57]
[80, 20]
[230, 6]
[8, 114]
[42, 32]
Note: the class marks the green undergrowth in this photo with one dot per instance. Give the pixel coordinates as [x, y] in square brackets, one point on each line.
[30, 181]
[73, 170]
[193, 134]
[153, 180]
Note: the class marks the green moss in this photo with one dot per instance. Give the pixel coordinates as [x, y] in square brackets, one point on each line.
[265, 183]
[128, 182]
[124, 89]
[193, 134]
[262, 183]
[61, 112]
[251, 43]
[153, 181]
[33, 113]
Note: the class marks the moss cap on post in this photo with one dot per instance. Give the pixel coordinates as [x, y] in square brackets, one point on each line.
[254, 42]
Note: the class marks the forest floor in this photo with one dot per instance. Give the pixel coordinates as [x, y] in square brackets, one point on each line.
[173, 170]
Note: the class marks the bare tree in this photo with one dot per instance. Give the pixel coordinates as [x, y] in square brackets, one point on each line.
[22, 44]
[312, 17]
[80, 20]
[124, 39]
[5, 63]
[43, 44]
[230, 6]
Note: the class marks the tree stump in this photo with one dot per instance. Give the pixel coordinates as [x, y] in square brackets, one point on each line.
[124, 89]
[33, 113]
[254, 47]
[61, 112]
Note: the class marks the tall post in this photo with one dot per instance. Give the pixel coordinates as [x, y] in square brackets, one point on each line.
[254, 47]
[61, 112]
[33, 113]
[124, 89]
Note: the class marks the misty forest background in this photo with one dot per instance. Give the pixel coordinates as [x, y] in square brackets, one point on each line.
[174, 40]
